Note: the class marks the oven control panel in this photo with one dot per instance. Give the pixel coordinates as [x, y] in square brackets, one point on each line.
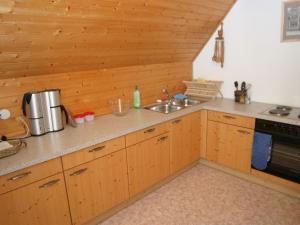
[277, 128]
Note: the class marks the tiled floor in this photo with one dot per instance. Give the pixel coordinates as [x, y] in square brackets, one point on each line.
[205, 196]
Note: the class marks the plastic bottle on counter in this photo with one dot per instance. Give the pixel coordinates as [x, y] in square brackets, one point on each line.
[136, 98]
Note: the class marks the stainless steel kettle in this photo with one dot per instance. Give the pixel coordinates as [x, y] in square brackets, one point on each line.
[52, 110]
[44, 111]
[32, 109]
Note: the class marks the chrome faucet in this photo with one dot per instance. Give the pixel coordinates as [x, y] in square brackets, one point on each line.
[169, 98]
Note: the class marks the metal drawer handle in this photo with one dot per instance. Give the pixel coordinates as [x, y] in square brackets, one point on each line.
[19, 176]
[49, 184]
[176, 121]
[78, 172]
[97, 149]
[243, 132]
[149, 130]
[162, 138]
[229, 117]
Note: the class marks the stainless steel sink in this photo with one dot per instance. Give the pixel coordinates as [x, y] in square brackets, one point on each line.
[191, 102]
[171, 107]
[164, 108]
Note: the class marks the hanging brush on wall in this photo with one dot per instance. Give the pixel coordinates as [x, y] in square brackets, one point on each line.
[219, 48]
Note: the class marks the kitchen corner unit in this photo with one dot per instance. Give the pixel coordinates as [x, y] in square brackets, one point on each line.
[96, 179]
[110, 168]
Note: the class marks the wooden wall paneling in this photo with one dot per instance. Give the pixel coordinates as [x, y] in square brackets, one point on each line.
[91, 90]
[39, 38]
[211, 31]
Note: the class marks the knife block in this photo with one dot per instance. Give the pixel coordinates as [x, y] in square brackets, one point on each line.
[240, 96]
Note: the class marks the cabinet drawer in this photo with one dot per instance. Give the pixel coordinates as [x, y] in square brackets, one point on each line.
[29, 175]
[40, 203]
[241, 121]
[145, 134]
[93, 152]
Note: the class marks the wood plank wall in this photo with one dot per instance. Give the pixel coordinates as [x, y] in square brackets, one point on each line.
[41, 37]
[91, 90]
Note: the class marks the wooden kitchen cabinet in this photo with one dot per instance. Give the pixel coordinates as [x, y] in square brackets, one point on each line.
[43, 202]
[229, 145]
[29, 175]
[240, 121]
[147, 133]
[97, 186]
[148, 163]
[185, 133]
[92, 152]
[196, 125]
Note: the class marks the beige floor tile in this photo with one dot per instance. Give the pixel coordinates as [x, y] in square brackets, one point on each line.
[206, 196]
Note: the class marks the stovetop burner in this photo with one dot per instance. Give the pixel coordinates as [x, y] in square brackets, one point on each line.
[279, 112]
[284, 108]
[286, 112]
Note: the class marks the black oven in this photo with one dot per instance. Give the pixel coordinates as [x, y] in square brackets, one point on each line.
[285, 154]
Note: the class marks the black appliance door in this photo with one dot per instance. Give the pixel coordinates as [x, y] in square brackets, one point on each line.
[285, 158]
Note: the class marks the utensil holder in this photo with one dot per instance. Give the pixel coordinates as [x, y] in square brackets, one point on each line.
[240, 96]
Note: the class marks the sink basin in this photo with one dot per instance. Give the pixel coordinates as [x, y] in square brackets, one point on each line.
[164, 108]
[173, 106]
[191, 102]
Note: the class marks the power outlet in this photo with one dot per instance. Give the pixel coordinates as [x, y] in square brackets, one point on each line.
[4, 114]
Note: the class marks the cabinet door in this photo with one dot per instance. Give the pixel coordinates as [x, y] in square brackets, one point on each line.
[179, 135]
[185, 135]
[148, 163]
[97, 186]
[216, 133]
[229, 145]
[43, 202]
[242, 143]
[195, 120]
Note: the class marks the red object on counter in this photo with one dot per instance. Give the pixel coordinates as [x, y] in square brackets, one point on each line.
[79, 118]
[89, 116]
[88, 113]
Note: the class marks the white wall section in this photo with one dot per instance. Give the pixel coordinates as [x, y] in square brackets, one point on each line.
[254, 53]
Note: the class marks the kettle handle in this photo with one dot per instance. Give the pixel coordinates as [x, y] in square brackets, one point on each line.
[26, 99]
[63, 108]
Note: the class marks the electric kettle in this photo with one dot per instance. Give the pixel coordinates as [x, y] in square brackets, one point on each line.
[44, 111]
[52, 110]
[32, 109]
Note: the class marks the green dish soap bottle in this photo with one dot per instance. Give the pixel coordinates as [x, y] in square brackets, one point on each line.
[136, 98]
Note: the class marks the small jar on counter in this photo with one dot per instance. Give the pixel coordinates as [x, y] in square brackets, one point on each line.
[79, 118]
[89, 116]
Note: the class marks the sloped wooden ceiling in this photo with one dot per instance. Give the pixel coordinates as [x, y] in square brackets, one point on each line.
[52, 36]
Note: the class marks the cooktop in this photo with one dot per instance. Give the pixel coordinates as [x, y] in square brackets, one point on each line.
[284, 111]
